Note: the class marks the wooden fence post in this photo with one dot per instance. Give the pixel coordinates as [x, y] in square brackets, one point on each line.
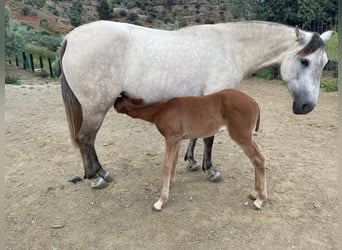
[50, 67]
[31, 61]
[24, 60]
[41, 62]
[16, 61]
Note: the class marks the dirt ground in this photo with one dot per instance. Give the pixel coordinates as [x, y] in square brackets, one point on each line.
[45, 211]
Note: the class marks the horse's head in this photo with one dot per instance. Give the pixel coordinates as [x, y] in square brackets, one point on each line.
[123, 103]
[301, 69]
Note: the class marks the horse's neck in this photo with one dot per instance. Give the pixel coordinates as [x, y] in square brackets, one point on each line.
[146, 112]
[259, 45]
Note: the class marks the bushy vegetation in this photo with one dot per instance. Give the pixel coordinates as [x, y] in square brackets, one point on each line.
[164, 14]
[11, 79]
[332, 47]
[329, 84]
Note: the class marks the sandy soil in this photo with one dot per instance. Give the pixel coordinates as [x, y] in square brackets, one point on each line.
[45, 211]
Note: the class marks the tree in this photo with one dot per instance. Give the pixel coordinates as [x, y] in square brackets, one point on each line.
[103, 10]
[16, 35]
[241, 9]
[75, 13]
[297, 12]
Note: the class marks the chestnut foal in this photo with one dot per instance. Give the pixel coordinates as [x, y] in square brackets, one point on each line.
[200, 117]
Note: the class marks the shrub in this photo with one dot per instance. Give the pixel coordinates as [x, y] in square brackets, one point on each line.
[329, 84]
[123, 12]
[133, 16]
[209, 21]
[11, 79]
[103, 10]
[26, 10]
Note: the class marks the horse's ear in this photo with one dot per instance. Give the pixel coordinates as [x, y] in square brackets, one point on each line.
[326, 36]
[302, 36]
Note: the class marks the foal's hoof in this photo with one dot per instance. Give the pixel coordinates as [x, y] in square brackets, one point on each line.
[99, 183]
[158, 205]
[193, 166]
[214, 175]
[258, 204]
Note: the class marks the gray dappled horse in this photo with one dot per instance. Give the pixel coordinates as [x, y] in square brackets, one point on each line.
[101, 59]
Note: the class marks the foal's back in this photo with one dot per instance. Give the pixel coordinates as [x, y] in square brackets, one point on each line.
[203, 116]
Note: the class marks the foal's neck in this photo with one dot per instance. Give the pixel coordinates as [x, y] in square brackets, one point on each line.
[146, 112]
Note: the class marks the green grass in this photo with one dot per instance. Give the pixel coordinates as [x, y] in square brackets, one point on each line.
[11, 79]
[332, 47]
[329, 84]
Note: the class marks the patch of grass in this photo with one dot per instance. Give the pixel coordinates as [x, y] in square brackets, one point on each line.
[332, 47]
[11, 79]
[329, 84]
[268, 73]
[264, 73]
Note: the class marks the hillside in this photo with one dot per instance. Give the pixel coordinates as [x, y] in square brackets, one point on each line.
[55, 15]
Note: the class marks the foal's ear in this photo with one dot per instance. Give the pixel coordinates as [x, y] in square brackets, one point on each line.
[302, 36]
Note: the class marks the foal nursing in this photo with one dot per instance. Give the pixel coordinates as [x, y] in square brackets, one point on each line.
[199, 117]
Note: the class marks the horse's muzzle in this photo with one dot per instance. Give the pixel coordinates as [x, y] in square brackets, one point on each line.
[302, 108]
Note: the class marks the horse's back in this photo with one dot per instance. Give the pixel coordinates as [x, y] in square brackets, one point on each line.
[153, 64]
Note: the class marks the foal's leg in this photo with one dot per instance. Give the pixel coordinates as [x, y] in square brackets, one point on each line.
[85, 139]
[258, 161]
[213, 174]
[173, 172]
[189, 156]
[172, 147]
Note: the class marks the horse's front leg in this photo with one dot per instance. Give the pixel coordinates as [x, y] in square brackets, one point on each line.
[213, 174]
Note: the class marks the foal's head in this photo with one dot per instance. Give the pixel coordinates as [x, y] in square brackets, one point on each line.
[123, 103]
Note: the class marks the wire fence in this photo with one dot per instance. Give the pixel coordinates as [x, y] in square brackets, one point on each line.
[37, 64]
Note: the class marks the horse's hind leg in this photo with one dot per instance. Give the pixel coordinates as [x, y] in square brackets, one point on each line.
[92, 122]
[189, 156]
[258, 161]
[213, 174]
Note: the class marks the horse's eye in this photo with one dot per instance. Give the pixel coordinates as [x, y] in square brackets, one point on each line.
[304, 62]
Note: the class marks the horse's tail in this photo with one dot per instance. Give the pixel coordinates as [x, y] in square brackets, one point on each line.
[73, 108]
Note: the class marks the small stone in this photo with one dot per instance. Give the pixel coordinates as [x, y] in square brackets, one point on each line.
[57, 226]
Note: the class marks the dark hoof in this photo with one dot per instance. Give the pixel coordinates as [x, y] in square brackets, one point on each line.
[214, 176]
[99, 183]
[193, 166]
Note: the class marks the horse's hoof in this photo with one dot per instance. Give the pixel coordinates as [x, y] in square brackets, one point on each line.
[214, 176]
[105, 175]
[258, 203]
[193, 166]
[99, 183]
[158, 205]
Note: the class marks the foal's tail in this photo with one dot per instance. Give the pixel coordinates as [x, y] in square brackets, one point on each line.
[73, 108]
[258, 121]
